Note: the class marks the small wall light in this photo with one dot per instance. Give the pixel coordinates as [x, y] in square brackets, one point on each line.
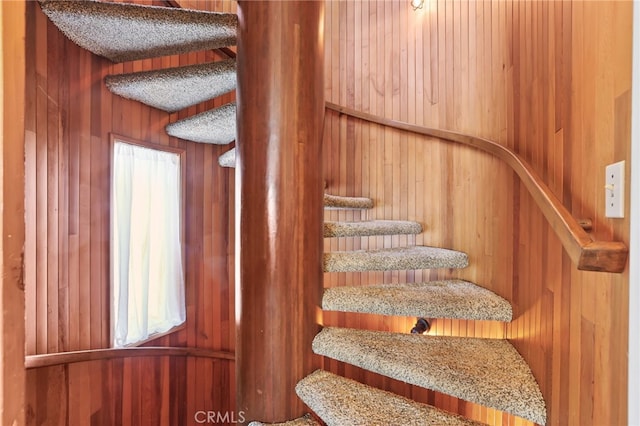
[417, 4]
[421, 327]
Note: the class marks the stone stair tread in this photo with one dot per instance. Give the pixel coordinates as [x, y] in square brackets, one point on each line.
[228, 159]
[489, 372]
[216, 126]
[339, 401]
[127, 32]
[337, 202]
[389, 259]
[436, 299]
[371, 228]
[305, 420]
[173, 89]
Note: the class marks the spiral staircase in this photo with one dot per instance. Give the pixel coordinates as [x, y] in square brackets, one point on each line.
[489, 372]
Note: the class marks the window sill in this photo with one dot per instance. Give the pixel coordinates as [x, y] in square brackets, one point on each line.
[157, 336]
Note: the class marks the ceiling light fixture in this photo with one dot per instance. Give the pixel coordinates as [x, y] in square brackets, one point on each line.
[417, 4]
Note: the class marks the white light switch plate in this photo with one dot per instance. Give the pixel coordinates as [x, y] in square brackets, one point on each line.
[614, 190]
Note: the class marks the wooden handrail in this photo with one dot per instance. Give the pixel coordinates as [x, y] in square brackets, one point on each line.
[47, 360]
[587, 254]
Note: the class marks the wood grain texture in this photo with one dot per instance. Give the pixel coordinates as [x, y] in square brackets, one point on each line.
[69, 117]
[587, 254]
[279, 199]
[12, 229]
[137, 391]
[48, 360]
[551, 81]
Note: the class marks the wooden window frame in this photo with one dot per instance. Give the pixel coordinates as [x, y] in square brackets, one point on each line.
[182, 153]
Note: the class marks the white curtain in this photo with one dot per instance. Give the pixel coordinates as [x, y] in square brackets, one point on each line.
[147, 274]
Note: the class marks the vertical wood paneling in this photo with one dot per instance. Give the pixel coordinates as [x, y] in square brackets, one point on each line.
[30, 188]
[69, 117]
[135, 391]
[552, 81]
[12, 196]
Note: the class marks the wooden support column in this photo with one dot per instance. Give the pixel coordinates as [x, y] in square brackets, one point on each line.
[280, 99]
[12, 74]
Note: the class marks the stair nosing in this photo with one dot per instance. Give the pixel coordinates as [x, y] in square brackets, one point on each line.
[455, 298]
[197, 128]
[369, 228]
[339, 202]
[176, 88]
[397, 258]
[354, 403]
[122, 23]
[474, 369]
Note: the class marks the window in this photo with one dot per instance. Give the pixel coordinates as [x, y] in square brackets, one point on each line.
[147, 279]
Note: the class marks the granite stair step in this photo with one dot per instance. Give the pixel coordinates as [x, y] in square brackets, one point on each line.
[127, 32]
[173, 89]
[391, 259]
[216, 126]
[337, 202]
[305, 420]
[339, 401]
[228, 159]
[489, 372]
[436, 299]
[371, 228]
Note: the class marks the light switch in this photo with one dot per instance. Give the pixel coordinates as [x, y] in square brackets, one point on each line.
[614, 190]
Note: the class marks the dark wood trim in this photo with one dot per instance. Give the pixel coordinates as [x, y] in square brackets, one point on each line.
[228, 52]
[278, 204]
[151, 145]
[585, 252]
[156, 336]
[48, 360]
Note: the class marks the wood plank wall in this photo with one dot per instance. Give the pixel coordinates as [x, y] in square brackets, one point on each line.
[550, 79]
[12, 109]
[69, 116]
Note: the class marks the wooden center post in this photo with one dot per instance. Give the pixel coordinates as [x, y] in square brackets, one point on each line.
[279, 195]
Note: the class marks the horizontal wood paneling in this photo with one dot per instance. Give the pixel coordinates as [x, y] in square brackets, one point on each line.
[69, 117]
[549, 79]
